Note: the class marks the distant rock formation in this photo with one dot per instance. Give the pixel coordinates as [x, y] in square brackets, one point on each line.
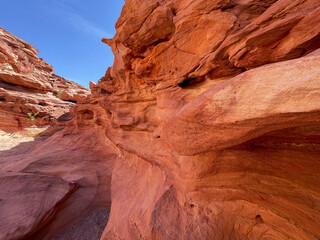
[207, 126]
[28, 86]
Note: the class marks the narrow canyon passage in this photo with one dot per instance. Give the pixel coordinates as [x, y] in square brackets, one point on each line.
[207, 126]
[85, 203]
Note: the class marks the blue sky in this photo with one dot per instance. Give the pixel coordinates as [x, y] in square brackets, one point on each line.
[66, 32]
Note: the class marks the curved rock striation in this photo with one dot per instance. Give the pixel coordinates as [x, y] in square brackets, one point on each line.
[28, 85]
[207, 126]
[20, 193]
[36, 201]
[214, 111]
[240, 161]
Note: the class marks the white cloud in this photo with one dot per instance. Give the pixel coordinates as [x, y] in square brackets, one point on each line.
[79, 22]
[86, 26]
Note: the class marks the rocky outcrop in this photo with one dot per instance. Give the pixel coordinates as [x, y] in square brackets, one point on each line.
[214, 111]
[207, 126]
[228, 165]
[28, 86]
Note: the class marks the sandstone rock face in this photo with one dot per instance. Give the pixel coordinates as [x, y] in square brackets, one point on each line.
[19, 195]
[48, 185]
[28, 85]
[213, 108]
[240, 161]
[207, 126]
[36, 184]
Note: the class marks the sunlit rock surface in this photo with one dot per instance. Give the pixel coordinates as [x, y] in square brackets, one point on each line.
[28, 86]
[207, 126]
[214, 109]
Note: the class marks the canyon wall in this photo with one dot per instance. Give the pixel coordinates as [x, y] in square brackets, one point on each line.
[28, 85]
[34, 185]
[207, 126]
[213, 109]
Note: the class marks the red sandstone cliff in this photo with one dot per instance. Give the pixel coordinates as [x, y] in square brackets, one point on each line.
[216, 126]
[28, 85]
[207, 126]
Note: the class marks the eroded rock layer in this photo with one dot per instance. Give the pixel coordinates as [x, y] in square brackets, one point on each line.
[28, 86]
[50, 185]
[20, 193]
[213, 107]
[207, 126]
